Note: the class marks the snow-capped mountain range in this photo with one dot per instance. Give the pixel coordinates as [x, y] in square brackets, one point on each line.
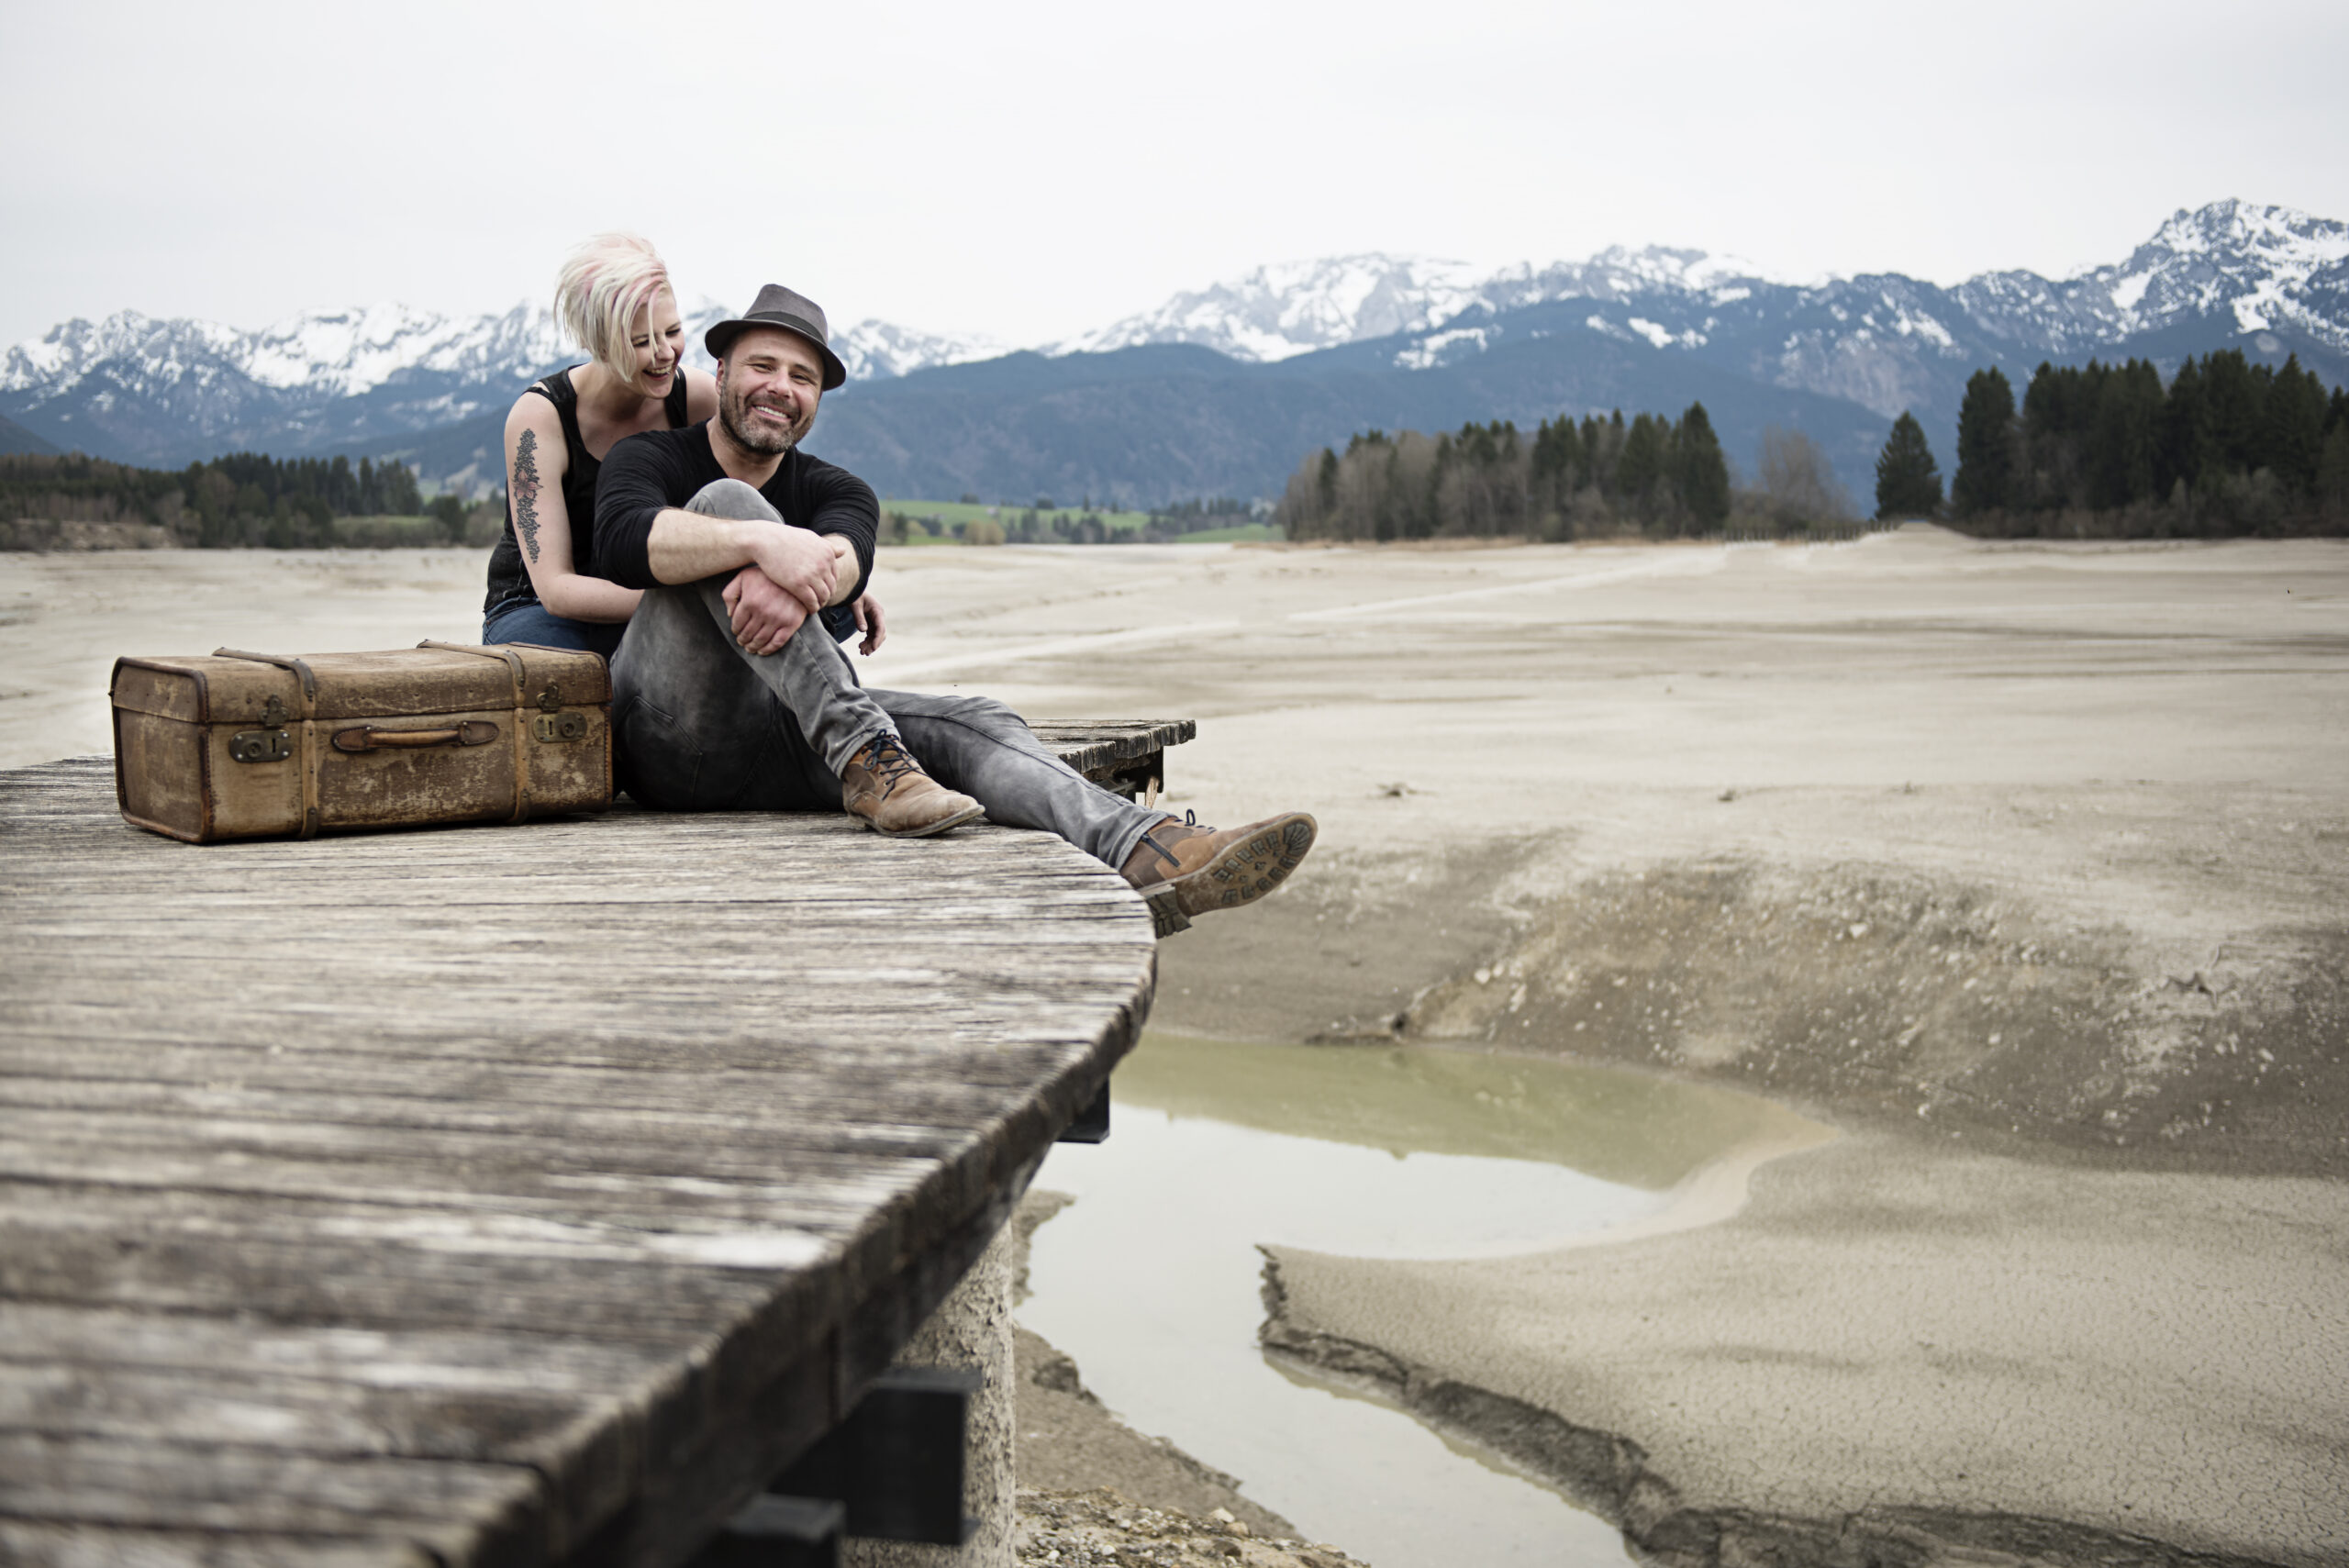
[1279, 312]
[133, 385]
[2266, 266]
[164, 390]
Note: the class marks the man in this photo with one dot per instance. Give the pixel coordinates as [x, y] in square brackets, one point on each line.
[729, 692]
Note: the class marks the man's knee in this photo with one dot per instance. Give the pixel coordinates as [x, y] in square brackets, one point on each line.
[733, 500]
[976, 712]
[988, 714]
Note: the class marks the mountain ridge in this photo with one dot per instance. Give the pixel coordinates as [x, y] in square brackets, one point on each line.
[2269, 279]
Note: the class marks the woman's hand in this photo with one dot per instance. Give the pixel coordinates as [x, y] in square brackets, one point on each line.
[869, 621]
[765, 616]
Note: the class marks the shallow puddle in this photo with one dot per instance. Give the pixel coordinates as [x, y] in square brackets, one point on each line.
[1151, 1279]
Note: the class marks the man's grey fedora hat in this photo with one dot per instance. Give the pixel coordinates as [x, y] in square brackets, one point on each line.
[779, 306]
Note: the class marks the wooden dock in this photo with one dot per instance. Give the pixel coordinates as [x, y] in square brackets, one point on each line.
[504, 1195]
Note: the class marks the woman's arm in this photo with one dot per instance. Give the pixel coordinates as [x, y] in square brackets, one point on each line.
[536, 461]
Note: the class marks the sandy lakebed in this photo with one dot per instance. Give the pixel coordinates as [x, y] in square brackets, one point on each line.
[2025, 866]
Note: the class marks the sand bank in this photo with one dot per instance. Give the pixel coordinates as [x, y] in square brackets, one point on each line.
[1902, 1353]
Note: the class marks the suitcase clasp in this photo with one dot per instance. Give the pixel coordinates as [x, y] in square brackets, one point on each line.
[559, 726]
[260, 745]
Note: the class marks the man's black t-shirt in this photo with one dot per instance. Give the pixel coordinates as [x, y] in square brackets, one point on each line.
[659, 468]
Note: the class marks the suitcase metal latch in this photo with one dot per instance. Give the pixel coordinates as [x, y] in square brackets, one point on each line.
[559, 726]
[260, 745]
[550, 700]
[272, 712]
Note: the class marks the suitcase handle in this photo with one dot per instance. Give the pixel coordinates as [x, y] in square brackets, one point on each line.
[367, 738]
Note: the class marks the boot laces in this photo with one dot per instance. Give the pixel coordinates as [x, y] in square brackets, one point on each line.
[1190, 820]
[888, 761]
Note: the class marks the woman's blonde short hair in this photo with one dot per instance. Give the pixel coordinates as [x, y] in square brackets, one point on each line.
[602, 285]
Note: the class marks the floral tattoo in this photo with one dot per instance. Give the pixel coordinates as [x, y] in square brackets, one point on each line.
[526, 490]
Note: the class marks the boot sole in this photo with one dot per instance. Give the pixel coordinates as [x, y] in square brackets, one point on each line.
[974, 814]
[1240, 873]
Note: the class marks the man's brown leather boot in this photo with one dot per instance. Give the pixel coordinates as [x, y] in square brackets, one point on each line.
[886, 787]
[1182, 870]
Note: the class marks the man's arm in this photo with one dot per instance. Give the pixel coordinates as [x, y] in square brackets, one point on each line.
[686, 546]
[843, 511]
[843, 507]
[643, 537]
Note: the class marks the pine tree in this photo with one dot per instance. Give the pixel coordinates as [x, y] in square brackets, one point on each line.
[1390, 494]
[1986, 442]
[1908, 481]
[1589, 453]
[1641, 468]
[2333, 473]
[2292, 427]
[448, 514]
[2043, 476]
[2121, 441]
[1608, 455]
[2235, 394]
[1556, 449]
[1700, 473]
[1432, 512]
[401, 496]
[2182, 448]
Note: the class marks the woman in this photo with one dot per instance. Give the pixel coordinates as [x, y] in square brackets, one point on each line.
[612, 297]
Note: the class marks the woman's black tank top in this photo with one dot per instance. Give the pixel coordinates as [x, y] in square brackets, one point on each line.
[509, 581]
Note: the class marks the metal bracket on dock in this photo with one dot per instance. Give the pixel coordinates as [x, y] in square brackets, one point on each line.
[1092, 1123]
[779, 1533]
[896, 1464]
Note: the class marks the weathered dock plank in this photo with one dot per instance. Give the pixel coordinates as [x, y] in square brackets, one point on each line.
[504, 1194]
[1099, 748]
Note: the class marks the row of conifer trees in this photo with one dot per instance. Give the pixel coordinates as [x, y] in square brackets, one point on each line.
[1657, 473]
[245, 498]
[2226, 447]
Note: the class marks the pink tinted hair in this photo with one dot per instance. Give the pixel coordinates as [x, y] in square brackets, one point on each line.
[602, 285]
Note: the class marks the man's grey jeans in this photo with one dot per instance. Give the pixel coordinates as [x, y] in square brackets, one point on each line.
[706, 725]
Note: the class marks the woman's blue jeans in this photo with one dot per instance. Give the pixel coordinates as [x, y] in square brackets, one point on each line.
[529, 621]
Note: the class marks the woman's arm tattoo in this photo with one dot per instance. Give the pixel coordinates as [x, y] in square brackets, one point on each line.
[526, 490]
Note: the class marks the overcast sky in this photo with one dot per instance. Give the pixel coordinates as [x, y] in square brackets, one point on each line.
[1030, 171]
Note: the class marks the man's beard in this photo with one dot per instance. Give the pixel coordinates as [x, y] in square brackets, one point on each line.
[740, 430]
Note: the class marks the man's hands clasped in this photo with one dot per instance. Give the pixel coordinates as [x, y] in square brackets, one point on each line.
[805, 565]
[764, 614]
[796, 576]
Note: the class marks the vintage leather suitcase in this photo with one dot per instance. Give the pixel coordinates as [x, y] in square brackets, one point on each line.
[259, 745]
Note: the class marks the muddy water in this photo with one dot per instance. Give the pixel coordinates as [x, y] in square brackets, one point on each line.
[1149, 1279]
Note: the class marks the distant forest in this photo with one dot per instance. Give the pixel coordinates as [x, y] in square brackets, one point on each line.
[2225, 447]
[2099, 450]
[1598, 478]
[242, 499]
